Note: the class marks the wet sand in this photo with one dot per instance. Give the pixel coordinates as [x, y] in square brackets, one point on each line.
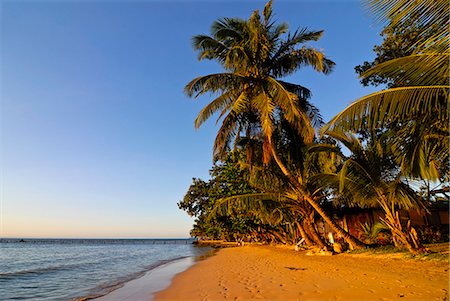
[143, 288]
[270, 273]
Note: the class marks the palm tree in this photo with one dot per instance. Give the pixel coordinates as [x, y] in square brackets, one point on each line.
[370, 178]
[423, 101]
[252, 97]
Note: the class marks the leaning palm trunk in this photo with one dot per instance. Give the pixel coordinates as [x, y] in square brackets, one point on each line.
[314, 235]
[308, 224]
[304, 235]
[402, 238]
[352, 241]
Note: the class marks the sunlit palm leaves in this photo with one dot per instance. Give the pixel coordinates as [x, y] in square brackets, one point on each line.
[368, 178]
[268, 207]
[376, 110]
[422, 69]
[433, 14]
[256, 55]
[424, 97]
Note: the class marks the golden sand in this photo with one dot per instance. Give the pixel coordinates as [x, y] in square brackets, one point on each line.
[270, 273]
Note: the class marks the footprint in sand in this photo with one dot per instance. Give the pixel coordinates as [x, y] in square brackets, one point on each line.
[204, 297]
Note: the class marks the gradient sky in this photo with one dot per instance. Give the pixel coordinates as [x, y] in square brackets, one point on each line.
[97, 135]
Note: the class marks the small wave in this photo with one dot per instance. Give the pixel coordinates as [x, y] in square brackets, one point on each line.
[106, 288]
[39, 271]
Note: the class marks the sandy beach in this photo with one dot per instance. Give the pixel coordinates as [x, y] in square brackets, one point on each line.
[271, 273]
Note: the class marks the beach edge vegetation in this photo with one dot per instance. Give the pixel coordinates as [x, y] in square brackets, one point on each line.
[274, 176]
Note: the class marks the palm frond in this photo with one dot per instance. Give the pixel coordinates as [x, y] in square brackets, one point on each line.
[299, 36]
[265, 179]
[220, 103]
[277, 31]
[404, 197]
[262, 205]
[209, 48]
[378, 228]
[302, 93]
[289, 63]
[228, 29]
[236, 58]
[431, 14]
[225, 136]
[314, 115]
[376, 109]
[431, 68]
[266, 107]
[241, 104]
[288, 103]
[267, 12]
[214, 83]
[421, 149]
[327, 148]
[349, 140]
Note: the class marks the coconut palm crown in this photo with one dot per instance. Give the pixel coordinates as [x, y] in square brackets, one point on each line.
[252, 99]
[255, 54]
[421, 105]
[369, 177]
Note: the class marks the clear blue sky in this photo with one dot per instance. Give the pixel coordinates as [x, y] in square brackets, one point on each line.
[97, 135]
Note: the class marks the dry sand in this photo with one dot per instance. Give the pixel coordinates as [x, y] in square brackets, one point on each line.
[269, 273]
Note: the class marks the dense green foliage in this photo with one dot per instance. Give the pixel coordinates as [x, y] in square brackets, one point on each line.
[226, 180]
[255, 54]
[275, 179]
[398, 41]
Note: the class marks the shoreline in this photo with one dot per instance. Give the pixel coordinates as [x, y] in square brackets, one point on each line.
[143, 288]
[273, 273]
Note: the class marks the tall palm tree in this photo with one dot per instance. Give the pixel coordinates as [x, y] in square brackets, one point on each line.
[252, 96]
[423, 101]
[370, 178]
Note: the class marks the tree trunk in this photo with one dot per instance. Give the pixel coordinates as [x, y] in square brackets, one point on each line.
[314, 235]
[402, 239]
[352, 241]
[303, 233]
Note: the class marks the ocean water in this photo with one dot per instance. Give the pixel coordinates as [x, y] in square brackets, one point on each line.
[78, 269]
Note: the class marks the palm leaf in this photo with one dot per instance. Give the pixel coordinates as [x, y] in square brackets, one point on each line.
[262, 205]
[327, 148]
[221, 102]
[225, 136]
[404, 103]
[290, 62]
[209, 48]
[288, 103]
[431, 14]
[404, 197]
[214, 83]
[228, 29]
[299, 36]
[423, 69]
[266, 107]
[301, 92]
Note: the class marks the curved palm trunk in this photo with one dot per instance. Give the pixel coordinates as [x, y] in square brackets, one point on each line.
[314, 235]
[303, 233]
[402, 238]
[352, 241]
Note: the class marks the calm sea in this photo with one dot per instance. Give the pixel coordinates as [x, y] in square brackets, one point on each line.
[73, 269]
